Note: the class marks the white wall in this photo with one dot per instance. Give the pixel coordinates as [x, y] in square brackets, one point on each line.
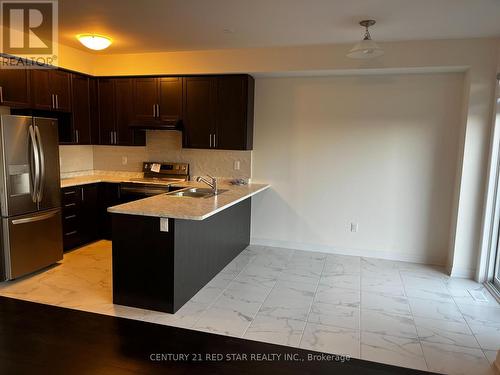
[380, 151]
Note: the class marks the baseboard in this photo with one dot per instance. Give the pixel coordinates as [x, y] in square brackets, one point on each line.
[463, 273]
[343, 251]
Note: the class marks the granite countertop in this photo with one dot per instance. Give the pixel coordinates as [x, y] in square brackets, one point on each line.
[175, 207]
[90, 179]
[105, 177]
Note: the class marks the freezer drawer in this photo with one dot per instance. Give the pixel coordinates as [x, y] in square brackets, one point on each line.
[32, 242]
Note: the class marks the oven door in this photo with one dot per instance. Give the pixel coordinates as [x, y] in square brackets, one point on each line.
[133, 191]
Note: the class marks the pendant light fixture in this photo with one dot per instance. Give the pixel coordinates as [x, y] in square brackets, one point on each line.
[367, 48]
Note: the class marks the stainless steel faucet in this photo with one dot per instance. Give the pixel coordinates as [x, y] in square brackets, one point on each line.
[212, 183]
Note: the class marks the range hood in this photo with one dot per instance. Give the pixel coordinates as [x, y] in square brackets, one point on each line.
[173, 124]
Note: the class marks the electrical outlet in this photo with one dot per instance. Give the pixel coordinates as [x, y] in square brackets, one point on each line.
[236, 165]
[163, 224]
[354, 227]
[124, 160]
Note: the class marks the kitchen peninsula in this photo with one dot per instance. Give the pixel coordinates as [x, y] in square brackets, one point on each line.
[167, 247]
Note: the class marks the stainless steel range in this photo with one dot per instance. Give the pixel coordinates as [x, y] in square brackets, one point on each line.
[158, 178]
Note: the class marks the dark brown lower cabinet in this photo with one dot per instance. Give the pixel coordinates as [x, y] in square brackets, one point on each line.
[179, 261]
[84, 213]
[109, 195]
[79, 206]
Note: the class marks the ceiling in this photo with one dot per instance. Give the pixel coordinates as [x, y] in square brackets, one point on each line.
[176, 25]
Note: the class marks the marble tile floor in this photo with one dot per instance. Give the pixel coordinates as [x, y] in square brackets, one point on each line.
[399, 313]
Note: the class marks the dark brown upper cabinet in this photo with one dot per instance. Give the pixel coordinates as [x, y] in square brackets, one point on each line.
[115, 100]
[94, 111]
[15, 88]
[80, 87]
[234, 112]
[170, 100]
[106, 108]
[199, 112]
[157, 100]
[218, 112]
[51, 89]
[124, 105]
[145, 99]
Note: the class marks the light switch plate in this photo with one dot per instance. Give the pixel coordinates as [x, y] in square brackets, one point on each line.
[163, 224]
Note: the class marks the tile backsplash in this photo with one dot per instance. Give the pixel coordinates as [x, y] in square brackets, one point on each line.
[76, 158]
[160, 146]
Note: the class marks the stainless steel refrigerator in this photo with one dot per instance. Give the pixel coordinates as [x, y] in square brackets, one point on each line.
[29, 195]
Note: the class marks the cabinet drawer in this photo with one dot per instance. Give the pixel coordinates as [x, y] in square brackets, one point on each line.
[71, 239]
[70, 208]
[70, 195]
[70, 222]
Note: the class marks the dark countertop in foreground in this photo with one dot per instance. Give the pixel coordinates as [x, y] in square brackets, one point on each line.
[175, 207]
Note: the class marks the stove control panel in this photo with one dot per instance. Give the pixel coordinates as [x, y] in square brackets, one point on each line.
[158, 168]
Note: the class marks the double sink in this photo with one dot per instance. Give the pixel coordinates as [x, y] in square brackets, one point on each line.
[196, 192]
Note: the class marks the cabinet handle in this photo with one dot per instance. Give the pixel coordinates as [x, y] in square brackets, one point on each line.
[158, 110]
[215, 143]
[210, 140]
[69, 217]
[111, 137]
[53, 101]
[71, 233]
[70, 192]
[116, 137]
[154, 110]
[83, 198]
[57, 101]
[1, 94]
[77, 135]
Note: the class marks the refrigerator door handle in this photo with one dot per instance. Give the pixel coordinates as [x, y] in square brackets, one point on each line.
[41, 184]
[33, 219]
[35, 164]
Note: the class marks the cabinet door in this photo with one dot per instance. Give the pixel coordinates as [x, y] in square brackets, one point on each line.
[81, 109]
[94, 111]
[42, 97]
[231, 113]
[145, 99]
[60, 86]
[89, 213]
[109, 195]
[199, 114]
[124, 111]
[14, 87]
[170, 101]
[106, 111]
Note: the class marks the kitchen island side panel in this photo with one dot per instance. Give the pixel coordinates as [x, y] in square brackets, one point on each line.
[161, 271]
[203, 248]
[143, 263]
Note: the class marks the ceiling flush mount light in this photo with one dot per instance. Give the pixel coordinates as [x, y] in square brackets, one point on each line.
[367, 48]
[94, 41]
